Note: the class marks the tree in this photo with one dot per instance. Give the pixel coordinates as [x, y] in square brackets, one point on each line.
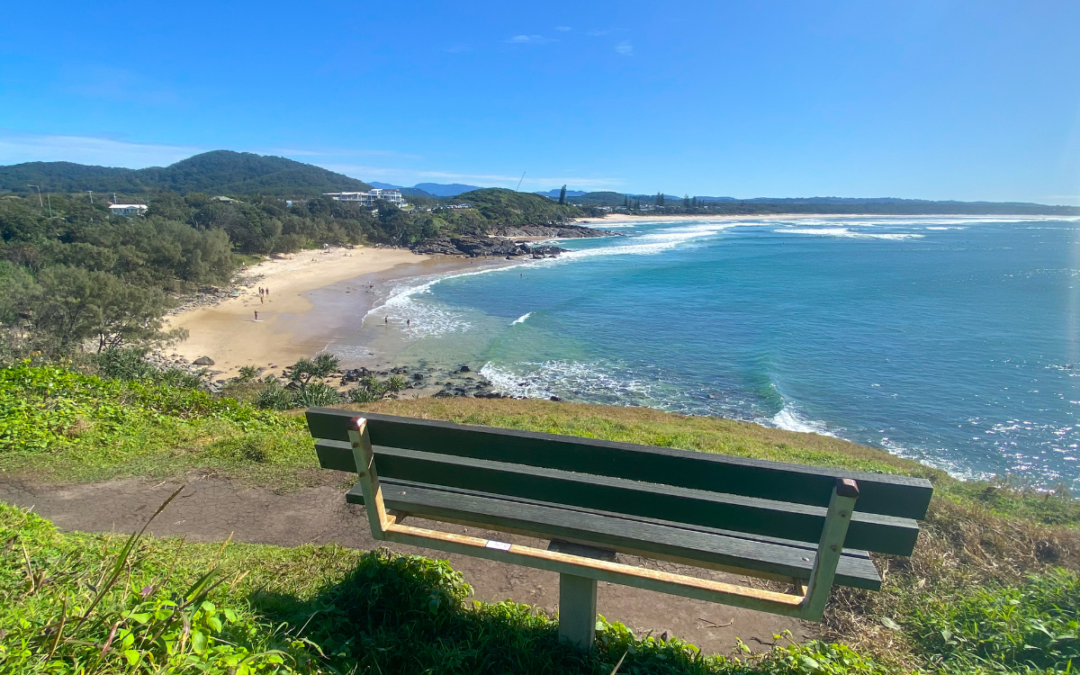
[318, 368]
[74, 305]
[562, 196]
[686, 201]
[659, 198]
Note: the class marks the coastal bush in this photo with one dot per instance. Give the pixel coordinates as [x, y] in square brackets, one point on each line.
[273, 395]
[129, 363]
[1001, 627]
[316, 394]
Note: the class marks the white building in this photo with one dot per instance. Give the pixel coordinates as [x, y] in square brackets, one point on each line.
[369, 198]
[127, 209]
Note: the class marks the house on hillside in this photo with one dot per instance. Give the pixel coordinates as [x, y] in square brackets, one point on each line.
[127, 209]
[369, 198]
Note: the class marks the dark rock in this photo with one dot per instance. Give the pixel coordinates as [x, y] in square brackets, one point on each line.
[554, 231]
[203, 361]
[464, 369]
[418, 376]
[555, 398]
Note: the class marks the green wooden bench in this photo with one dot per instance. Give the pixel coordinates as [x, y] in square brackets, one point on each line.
[809, 526]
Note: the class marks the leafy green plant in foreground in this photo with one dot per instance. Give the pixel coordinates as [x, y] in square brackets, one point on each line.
[72, 613]
[1005, 628]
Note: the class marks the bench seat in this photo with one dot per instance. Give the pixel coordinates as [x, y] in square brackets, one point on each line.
[651, 538]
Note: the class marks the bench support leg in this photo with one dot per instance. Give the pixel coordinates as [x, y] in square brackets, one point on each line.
[577, 610]
[831, 545]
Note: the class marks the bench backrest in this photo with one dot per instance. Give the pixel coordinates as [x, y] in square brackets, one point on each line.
[757, 497]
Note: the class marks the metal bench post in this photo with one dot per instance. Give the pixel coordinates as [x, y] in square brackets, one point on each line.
[577, 610]
[830, 547]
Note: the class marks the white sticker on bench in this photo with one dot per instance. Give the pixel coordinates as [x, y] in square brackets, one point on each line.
[501, 545]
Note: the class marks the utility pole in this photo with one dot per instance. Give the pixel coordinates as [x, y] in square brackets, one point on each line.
[519, 182]
[38, 193]
[91, 197]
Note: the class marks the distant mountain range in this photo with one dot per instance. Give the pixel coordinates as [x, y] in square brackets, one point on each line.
[430, 189]
[217, 172]
[224, 172]
[554, 194]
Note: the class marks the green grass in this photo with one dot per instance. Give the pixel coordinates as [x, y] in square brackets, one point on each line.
[60, 424]
[940, 610]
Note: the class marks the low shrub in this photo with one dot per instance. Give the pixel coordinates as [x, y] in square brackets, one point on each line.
[1004, 628]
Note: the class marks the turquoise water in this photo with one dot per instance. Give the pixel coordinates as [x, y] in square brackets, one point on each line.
[947, 339]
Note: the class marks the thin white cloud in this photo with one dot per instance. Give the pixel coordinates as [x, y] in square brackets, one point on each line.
[563, 29]
[457, 48]
[529, 40]
[625, 48]
[413, 176]
[16, 148]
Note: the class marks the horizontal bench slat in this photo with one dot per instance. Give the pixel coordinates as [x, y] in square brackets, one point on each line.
[665, 540]
[883, 494]
[782, 520]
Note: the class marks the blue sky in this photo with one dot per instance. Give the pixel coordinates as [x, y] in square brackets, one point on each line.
[939, 100]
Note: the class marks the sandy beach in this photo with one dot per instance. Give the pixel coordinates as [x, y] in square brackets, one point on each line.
[229, 333]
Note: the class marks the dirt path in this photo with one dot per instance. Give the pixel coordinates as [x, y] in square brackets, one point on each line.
[210, 509]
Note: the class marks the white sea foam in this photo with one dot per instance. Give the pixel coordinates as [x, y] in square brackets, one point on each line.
[576, 379]
[655, 242]
[791, 419]
[845, 232]
[521, 319]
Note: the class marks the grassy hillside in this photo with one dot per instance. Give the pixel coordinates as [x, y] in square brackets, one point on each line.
[217, 172]
[992, 586]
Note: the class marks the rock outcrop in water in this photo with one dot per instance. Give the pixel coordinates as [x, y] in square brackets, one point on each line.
[553, 231]
[477, 247]
[506, 241]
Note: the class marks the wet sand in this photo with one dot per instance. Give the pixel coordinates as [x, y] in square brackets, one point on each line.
[315, 297]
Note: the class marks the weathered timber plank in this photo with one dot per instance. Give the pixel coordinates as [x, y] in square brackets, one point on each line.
[666, 541]
[899, 496]
[750, 515]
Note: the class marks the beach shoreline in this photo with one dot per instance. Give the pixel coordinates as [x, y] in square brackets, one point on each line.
[284, 331]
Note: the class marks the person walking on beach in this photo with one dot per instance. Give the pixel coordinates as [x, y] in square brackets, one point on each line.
[256, 315]
[387, 321]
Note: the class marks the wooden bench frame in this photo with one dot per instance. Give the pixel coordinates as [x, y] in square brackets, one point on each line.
[579, 574]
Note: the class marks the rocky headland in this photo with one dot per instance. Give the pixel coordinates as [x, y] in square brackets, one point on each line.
[508, 242]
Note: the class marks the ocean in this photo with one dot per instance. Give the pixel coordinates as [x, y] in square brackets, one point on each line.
[950, 340]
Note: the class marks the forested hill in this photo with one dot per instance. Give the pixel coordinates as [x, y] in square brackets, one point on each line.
[217, 172]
